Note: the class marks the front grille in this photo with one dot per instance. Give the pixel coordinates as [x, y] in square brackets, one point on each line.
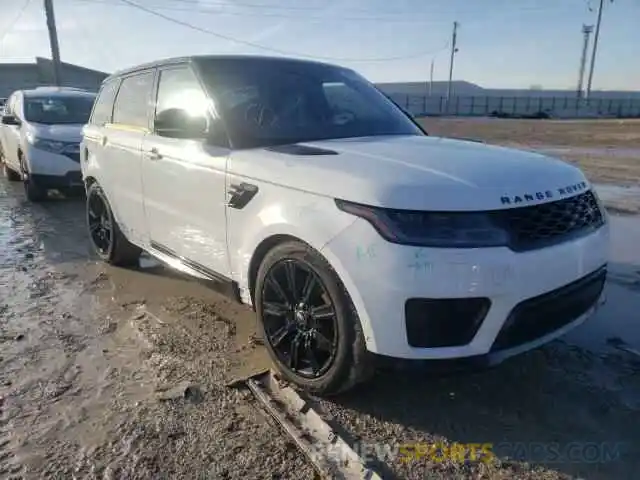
[551, 223]
[539, 316]
[443, 322]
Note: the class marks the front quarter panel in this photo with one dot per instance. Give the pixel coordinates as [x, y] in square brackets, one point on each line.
[275, 210]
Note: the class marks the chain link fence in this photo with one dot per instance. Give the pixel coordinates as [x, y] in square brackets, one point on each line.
[519, 107]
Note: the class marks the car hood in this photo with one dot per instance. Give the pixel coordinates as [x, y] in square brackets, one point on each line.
[59, 132]
[415, 172]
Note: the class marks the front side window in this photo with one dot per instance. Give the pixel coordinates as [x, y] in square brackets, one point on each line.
[58, 109]
[103, 108]
[182, 106]
[267, 102]
[133, 100]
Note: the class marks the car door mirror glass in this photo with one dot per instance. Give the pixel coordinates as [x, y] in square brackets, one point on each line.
[179, 123]
[10, 120]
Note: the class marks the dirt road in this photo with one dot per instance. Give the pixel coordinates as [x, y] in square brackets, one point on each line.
[108, 373]
[607, 150]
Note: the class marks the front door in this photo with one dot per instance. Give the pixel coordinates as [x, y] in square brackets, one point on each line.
[184, 181]
[122, 152]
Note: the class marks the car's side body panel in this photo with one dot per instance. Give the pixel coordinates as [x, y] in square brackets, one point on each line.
[274, 210]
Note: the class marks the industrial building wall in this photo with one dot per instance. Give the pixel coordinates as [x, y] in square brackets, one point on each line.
[30, 75]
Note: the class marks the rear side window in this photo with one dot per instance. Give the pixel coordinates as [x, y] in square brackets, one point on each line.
[133, 100]
[103, 108]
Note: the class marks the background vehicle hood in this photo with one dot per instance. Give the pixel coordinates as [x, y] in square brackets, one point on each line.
[60, 132]
[415, 172]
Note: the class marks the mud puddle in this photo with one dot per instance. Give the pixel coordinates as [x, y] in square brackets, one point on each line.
[111, 373]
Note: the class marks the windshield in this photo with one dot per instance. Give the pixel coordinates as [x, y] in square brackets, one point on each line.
[270, 102]
[58, 109]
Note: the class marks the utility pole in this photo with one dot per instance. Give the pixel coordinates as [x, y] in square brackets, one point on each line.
[431, 76]
[586, 31]
[454, 49]
[53, 40]
[595, 48]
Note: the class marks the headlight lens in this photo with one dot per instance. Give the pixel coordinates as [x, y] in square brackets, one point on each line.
[431, 229]
[44, 144]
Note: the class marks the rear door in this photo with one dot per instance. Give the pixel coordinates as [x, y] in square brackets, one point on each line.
[121, 163]
[184, 181]
[94, 133]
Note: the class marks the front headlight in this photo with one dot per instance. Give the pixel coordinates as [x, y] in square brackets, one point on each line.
[431, 229]
[45, 144]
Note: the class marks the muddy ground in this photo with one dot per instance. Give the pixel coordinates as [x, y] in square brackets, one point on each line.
[112, 373]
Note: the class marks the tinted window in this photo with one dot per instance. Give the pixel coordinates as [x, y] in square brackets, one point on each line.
[179, 89]
[132, 102]
[58, 109]
[103, 108]
[269, 102]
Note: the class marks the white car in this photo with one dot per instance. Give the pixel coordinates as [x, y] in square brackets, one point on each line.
[353, 234]
[41, 134]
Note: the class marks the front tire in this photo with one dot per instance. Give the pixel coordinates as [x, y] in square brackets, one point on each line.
[308, 322]
[108, 241]
[33, 192]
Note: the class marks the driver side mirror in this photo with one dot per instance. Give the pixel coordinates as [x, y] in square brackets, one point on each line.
[178, 123]
[10, 120]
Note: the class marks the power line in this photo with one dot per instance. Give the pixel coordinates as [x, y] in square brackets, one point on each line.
[275, 7]
[14, 21]
[208, 11]
[263, 47]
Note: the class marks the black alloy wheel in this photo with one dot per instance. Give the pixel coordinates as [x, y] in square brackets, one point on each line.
[100, 224]
[299, 318]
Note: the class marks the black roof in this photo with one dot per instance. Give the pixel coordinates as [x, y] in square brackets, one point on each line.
[196, 58]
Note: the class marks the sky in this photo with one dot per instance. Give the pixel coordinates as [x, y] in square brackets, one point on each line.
[501, 43]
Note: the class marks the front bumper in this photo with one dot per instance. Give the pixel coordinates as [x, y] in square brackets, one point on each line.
[52, 165]
[484, 290]
[72, 180]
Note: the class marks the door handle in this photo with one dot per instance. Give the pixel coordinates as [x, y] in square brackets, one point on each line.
[154, 154]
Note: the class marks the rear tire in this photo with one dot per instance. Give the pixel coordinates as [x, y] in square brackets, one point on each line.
[11, 175]
[108, 241]
[329, 370]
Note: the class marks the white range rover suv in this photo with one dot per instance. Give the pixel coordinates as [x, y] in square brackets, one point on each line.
[353, 234]
[40, 138]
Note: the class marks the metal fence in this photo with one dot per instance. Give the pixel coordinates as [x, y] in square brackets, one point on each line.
[519, 106]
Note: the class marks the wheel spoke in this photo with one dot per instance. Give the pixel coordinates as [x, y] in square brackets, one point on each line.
[281, 334]
[322, 342]
[313, 360]
[290, 272]
[276, 309]
[323, 312]
[309, 285]
[273, 283]
[294, 354]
